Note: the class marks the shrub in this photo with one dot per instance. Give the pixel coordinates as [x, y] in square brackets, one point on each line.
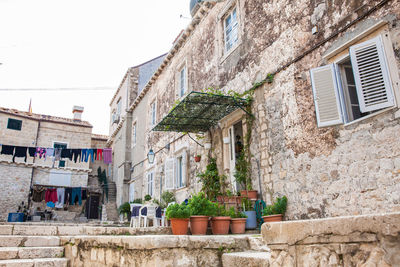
[137, 200]
[212, 182]
[124, 208]
[246, 204]
[236, 214]
[200, 205]
[220, 210]
[147, 198]
[179, 211]
[279, 207]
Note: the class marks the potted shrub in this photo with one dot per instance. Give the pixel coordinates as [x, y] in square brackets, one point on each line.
[238, 221]
[200, 211]
[247, 205]
[197, 158]
[276, 211]
[147, 198]
[242, 176]
[211, 181]
[125, 210]
[179, 215]
[221, 221]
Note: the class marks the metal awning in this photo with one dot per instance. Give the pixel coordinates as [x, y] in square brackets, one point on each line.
[198, 112]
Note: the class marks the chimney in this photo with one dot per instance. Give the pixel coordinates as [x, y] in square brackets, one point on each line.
[77, 111]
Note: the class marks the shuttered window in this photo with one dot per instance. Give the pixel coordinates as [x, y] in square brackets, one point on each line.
[373, 84]
[169, 173]
[326, 96]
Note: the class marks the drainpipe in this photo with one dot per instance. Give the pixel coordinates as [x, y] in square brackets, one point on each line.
[33, 167]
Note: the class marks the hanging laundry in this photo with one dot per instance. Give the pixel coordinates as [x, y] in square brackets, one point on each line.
[41, 152]
[51, 195]
[60, 195]
[84, 194]
[38, 194]
[50, 204]
[86, 153]
[91, 153]
[66, 153]
[20, 152]
[77, 153]
[7, 150]
[99, 154]
[76, 194]
[67, 196]
[107, 155]
[49, 152]
[57, 155]
[32, 151]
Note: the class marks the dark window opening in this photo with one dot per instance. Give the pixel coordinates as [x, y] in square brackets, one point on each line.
[61, 164]
[14, 124]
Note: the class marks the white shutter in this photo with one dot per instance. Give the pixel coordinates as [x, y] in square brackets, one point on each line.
[326, 96]
[373, 84]
[169, 173]
[184, 168]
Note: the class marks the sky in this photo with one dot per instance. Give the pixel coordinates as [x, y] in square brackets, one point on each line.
[79, 44]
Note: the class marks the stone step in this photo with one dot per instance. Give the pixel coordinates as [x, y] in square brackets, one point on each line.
[29, 241]
[257, 244]
[44, 262]
[9, 253]
[247, 258]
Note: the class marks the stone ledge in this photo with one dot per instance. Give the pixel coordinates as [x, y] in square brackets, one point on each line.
[364, 228]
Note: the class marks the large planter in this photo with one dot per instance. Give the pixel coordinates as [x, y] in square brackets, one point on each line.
[179, 226]
[273, 218]
[220, 225]
[250, 194]
[238, 225]
[198, 225]
[251, 222]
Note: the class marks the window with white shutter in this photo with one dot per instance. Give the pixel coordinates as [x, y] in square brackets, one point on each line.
[169, 173]
[326, 96]
[371, 75]
[184, 168]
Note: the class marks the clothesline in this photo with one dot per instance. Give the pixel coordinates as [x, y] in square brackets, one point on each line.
[60, 186]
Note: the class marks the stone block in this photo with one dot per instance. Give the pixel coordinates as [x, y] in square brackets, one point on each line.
[6, 229]
[248, 258]
[7, 253]
[34, 230]
[70, 230]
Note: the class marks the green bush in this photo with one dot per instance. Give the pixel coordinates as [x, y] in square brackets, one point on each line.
[279, 207]
[236, 214]
[138, 201]
[247, 204]
[124, 208]
[147, 198]
[179, 211]
[220, 210]
[200, 205]
[212, 182]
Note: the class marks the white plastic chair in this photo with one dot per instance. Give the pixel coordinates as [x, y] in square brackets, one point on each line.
[135, 219]
[151, 215]
[164, 222]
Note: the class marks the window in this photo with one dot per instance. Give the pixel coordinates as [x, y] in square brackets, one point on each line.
[153, 113]
[231, 30]
[182, 82]
[14, 124]
[61, 163]
[134, 134]
[150, 183]
[179, 172]
[175, 171]
[119, 107]
[354, 87]
[131, 192]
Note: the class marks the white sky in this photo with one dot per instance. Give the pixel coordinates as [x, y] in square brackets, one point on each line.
[80, 44]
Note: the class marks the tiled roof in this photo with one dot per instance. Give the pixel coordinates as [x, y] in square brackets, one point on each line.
[99, 136]
[42, 117]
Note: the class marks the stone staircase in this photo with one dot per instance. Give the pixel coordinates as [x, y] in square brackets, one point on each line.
[257, 256]
[109, 211]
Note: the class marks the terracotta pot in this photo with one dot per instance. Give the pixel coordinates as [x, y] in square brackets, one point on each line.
[243, 193]
[273, 218]
[220, 225]
[198, 225]
[238, 225]
[197, 158]
[179, 226]
[251, 194]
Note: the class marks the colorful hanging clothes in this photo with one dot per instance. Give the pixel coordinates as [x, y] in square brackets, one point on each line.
[32, 151]
[66, 153]
[7, 150]
[76, 196]
[76, 153]
[38, 194]
[41, 152]
[49, 152]
[51, 195]
[60, 195]
[20, 152]
[107, 155]
[99, 154]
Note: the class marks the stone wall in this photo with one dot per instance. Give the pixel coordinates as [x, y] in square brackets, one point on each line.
[369, 240]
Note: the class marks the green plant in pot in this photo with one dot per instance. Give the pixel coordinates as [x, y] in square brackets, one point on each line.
[147, 198]
[243, 176]
[248, 209]
[179, 215]
[125, 209]
[238, 221]
[166, 198]
[211, 180]
[276, 211]
[200, 211]
[220, 221]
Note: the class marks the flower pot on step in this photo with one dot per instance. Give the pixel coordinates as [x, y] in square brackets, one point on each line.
[251, 194]
[197, 158]
[179, 226]
[198, 225]
[238, 225]
[251, 222]
[273, 218]
[220, 225]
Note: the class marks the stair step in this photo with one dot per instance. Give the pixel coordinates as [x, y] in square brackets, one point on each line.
[8, 253]
[247, 258]
[44, 262]
[29, 241]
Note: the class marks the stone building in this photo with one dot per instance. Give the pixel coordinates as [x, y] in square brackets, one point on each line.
[325, 77]
[18, 128]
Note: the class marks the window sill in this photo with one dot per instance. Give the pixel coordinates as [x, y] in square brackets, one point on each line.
[227, 54]
[368, 116]
[180, 189]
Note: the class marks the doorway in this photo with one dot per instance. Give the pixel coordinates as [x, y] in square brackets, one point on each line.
[236, 144]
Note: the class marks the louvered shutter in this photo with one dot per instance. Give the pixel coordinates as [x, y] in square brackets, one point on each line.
[371, 74]
[184, 168]
[326, 96]
[169, 173]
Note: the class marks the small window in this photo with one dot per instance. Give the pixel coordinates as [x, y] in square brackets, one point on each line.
[150, 183]
[153, 113]
[14, 124]
[179, 172]
[132, 192]
[231, 30]
[119, 107]
[134, 134]
[182, 82]
[61, 163]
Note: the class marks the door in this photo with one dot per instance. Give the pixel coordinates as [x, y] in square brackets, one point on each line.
[232, 158]
[92, 207]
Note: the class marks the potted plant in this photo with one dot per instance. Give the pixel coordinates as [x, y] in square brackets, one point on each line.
[276, 211]
[179, 215]
[242, 176]
[221, 221]
[200, 211]
[247, 205]
[147, 198]
[197, 158]
[211, 180]
[125, 210]
[238, 221]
